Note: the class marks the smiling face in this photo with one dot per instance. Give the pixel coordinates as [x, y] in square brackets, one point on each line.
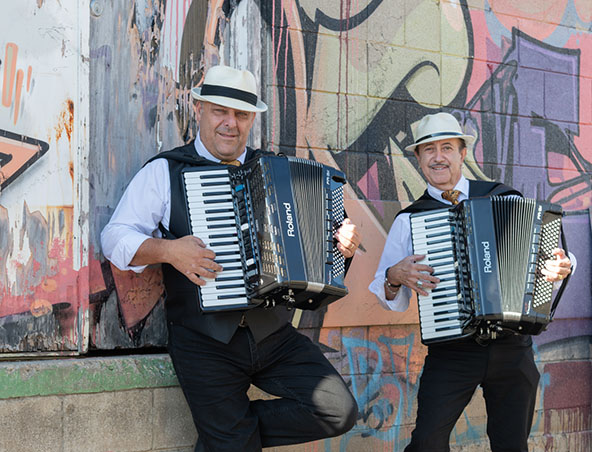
[441, 162]
[223, 131]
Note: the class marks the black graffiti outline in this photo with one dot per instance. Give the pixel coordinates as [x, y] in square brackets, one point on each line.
[42, 147]
[4, 159]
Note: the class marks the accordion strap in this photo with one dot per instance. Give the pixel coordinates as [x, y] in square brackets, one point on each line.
[563, 283]
[166, 234]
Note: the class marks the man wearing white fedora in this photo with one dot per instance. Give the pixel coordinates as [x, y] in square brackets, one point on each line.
[504, 366]
[219, 355]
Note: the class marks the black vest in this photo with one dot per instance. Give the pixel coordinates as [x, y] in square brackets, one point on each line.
[182, 302]
[477, 189]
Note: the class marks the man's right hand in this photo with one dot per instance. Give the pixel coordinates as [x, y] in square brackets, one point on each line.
[190, 256]
[416, 276]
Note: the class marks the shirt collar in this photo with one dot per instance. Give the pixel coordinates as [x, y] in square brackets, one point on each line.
[203, 152]
[462, 185]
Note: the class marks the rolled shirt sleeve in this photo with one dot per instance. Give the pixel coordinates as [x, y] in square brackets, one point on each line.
[396, 248]
[144, 204]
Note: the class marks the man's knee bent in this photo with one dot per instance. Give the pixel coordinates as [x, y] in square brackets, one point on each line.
[342, 417]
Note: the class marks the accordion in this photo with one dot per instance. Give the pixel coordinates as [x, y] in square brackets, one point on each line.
[271, 223]
[488, 254]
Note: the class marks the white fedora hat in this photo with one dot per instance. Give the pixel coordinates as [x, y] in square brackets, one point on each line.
[231, 88]
[436, 127]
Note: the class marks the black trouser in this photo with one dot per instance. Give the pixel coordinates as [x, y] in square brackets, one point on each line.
[506, 371]
[314, 401]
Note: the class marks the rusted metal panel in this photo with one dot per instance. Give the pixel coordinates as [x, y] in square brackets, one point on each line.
[44, 177]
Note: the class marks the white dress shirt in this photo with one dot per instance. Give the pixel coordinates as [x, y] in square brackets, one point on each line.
[145, 203]
[398, 246]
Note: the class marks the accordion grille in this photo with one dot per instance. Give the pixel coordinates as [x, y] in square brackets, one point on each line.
[338, 269]
[550, 233]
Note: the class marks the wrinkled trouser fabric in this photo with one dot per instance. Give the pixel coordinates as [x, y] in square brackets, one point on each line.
[313, 400]
[506, 371]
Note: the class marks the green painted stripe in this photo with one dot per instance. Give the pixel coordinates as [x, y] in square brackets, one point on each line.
[85, 375]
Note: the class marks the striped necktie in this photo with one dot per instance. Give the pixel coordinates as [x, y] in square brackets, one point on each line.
[451, 195]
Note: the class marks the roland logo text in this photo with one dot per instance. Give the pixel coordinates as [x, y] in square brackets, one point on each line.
[486, 257]
[289, 219]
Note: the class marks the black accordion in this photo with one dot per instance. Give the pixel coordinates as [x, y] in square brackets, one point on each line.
[488, 254]
[271, 223]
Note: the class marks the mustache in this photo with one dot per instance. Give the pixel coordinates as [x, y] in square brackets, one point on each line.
[227, 130]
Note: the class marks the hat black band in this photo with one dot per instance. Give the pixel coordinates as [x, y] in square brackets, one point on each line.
[439, 134]
[225, 91]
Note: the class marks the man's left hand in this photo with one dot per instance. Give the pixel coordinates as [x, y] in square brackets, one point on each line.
[558, 268]
[348, 238]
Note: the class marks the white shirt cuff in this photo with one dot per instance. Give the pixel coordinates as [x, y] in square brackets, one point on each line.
[125, 250]
[401, 301]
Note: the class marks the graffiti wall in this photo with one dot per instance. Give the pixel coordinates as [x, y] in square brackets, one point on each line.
[43, 177]
[90, 90]
[348, 81]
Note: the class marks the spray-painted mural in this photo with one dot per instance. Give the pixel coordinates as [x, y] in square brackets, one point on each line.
[350, 79]
[346, 81]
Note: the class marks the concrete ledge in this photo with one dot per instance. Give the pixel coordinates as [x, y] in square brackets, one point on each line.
[85, 375]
